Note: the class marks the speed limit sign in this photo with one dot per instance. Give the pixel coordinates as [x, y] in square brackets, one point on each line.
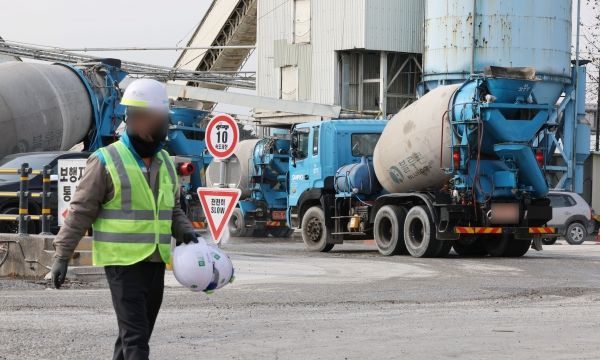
[222, 136]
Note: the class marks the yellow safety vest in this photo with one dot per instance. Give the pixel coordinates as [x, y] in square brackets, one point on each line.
[133, 223]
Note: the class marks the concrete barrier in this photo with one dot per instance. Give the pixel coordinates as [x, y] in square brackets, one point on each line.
[31, 256]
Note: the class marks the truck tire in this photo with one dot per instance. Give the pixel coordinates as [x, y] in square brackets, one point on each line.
[474, 249]
[237, 225]
[388, 230]
[517, 248]
[314, 230]
[549, 241]
[419, 233]
[576, 233]
[506, 246]
[496, 246]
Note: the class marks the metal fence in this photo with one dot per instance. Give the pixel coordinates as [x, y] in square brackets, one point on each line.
[24, 195]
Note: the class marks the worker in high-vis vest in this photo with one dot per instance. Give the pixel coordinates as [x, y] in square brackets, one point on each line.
[129, 196]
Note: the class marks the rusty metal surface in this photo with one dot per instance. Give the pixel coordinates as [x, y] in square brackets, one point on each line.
[509, 33]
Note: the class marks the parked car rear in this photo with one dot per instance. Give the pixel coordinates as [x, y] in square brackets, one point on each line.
[572, 216]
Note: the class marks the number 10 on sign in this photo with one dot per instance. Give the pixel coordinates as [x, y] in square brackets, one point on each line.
[222, 136]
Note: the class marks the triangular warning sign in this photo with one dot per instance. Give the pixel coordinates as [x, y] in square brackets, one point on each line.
[218, 205]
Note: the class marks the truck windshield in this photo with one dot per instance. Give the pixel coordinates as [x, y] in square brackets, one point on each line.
[302, 145]
[364, 144]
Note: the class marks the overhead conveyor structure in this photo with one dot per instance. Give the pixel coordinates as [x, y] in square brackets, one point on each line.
[226, 24]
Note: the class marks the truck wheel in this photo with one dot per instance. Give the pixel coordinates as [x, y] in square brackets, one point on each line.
[419, 233]
[314, 231]
[517, 248]
[237, 225]
[388, 230]
[576, 233]
[474, 249]
[496, 246]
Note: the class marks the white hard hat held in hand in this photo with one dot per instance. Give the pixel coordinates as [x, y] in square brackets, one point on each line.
[223, 272]
[193, 265]
[202, 267]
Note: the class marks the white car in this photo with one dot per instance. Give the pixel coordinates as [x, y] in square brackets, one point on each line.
[572, 217]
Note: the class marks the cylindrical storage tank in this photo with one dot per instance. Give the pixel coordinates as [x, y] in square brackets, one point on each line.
[237, 168]
[414, 146]
[42, 108]
[511, 33]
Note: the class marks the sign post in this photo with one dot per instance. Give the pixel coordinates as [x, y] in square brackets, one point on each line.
[222, 136]
[70, 172]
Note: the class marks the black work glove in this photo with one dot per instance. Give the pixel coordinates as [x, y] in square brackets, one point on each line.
[189, 237]
[59, 272]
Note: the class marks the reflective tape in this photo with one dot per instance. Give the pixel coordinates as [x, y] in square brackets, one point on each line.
[135, 238]
[123, 178]
[542, 230]
[477, 230]
[133, 102]
[170, 168]
[45, 211]
[114, 214]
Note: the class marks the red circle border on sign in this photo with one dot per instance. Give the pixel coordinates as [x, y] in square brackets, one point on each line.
[214, 152]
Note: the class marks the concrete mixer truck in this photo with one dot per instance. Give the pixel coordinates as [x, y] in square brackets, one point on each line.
[464, 166]
[50, 107]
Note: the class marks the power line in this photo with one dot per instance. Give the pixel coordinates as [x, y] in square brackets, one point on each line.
[150, 48]
[241, 79]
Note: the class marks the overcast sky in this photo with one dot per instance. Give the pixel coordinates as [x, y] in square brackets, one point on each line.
[106, 23]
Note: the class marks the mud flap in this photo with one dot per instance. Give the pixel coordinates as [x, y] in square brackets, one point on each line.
[537, 244]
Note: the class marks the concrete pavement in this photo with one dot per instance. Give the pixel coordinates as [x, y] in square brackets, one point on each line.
[348, 304]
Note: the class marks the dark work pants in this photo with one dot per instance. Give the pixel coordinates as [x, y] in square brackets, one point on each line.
[137, 292]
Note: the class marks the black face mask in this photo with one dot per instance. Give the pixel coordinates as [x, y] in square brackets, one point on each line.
[149, 148]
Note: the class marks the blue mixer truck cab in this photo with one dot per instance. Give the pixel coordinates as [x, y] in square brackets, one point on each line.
[330, 170]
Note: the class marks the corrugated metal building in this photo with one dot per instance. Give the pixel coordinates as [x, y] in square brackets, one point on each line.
[364, 55]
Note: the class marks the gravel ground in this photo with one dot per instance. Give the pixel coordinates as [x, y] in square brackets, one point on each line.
[348, 304]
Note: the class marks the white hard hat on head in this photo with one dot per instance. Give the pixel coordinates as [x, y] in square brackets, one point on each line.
[146, 94]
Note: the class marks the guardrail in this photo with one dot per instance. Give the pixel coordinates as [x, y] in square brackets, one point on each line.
[23, 217]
